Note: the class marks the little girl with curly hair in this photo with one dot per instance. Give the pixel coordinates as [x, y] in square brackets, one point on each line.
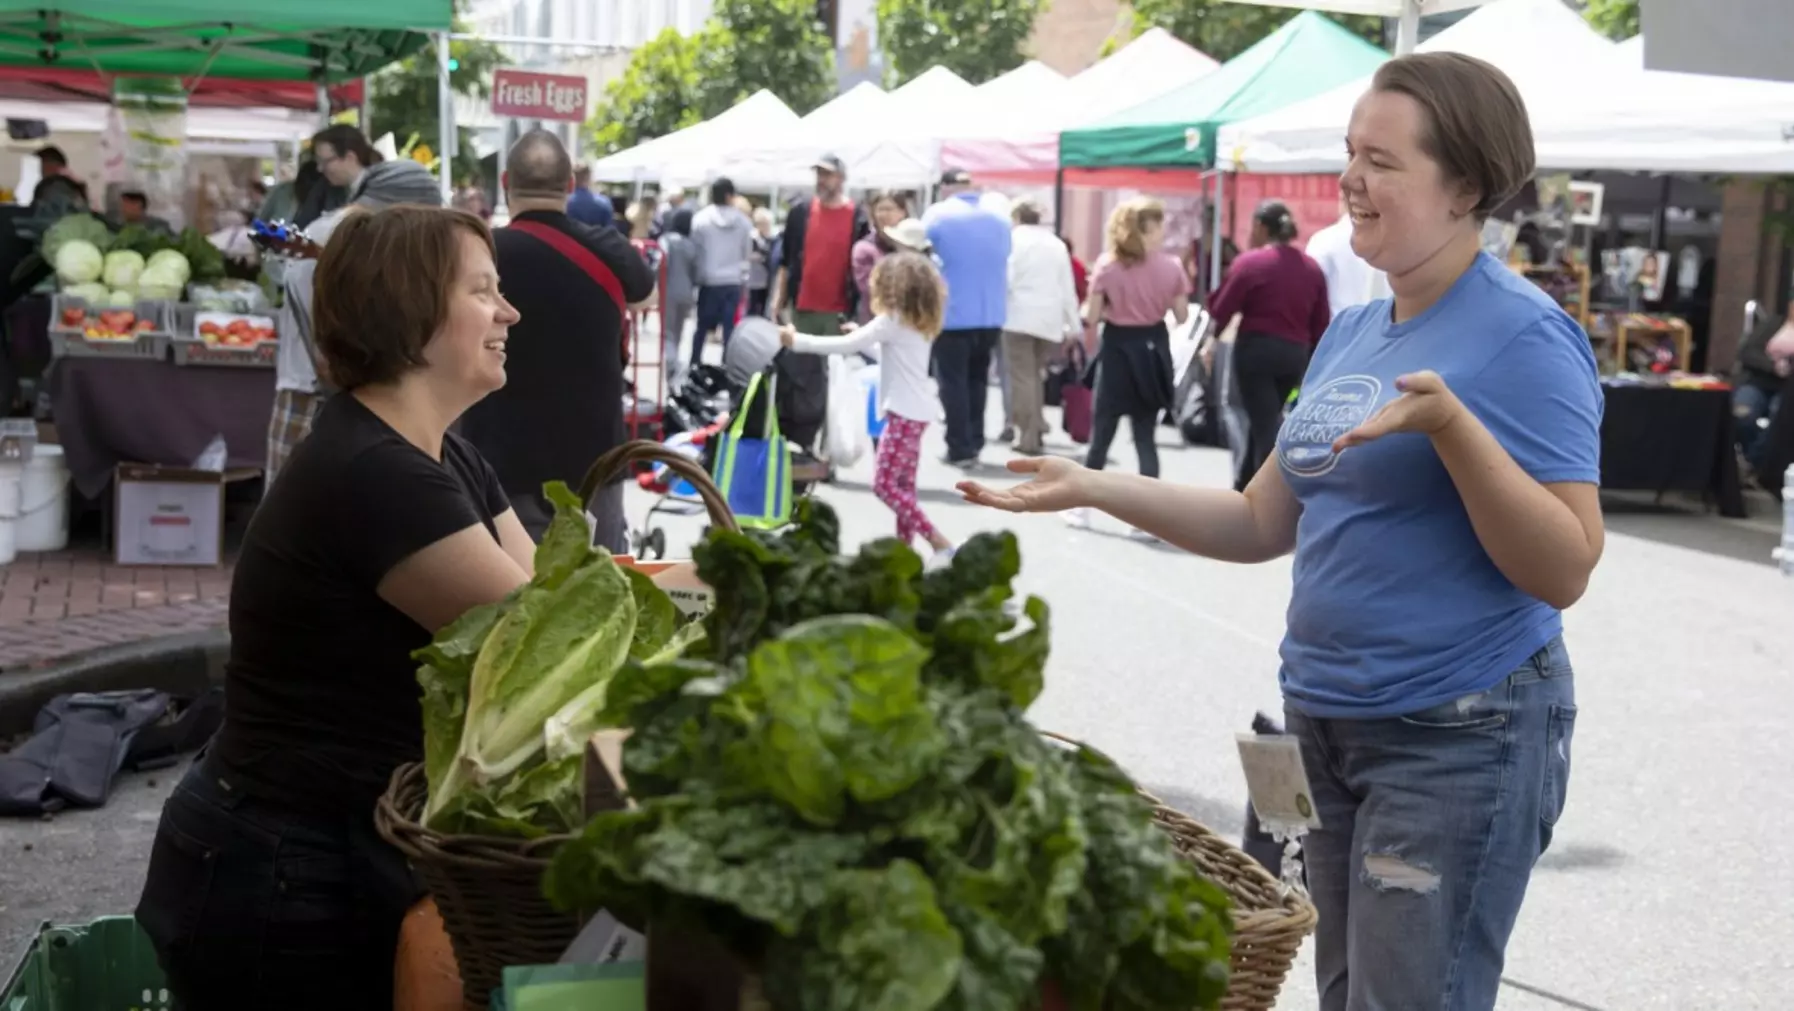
[908, 299]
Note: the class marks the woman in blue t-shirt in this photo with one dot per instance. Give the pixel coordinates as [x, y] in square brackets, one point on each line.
[1438, 484]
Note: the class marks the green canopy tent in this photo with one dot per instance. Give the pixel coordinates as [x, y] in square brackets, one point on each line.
[312, 40]
[1310, 54]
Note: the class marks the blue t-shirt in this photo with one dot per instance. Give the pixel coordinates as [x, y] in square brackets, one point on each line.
[589, 208]
[1396, 607]
[972, 247]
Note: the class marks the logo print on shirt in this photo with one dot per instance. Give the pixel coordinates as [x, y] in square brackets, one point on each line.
[1305, 445]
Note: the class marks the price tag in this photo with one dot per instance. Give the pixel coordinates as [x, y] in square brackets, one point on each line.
[1277, 780]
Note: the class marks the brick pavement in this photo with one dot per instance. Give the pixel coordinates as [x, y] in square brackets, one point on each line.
[63, 603]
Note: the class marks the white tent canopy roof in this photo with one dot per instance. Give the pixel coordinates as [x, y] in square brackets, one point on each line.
[1150, 65]
[1026, 146]
[1541, 44]
[886, 140]
[756, 115]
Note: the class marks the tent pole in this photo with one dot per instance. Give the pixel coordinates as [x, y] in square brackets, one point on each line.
[324, 106]
[1407, 28]
[501, 214]
[445, 113]
[1214, 260]
[1059, 200]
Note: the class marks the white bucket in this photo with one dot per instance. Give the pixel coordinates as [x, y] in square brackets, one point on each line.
[9, 512]
[44, 502]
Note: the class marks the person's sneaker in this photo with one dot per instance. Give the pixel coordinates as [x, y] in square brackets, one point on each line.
[1007, 435]
[964, 463]
[1077, 519]
[941, 559]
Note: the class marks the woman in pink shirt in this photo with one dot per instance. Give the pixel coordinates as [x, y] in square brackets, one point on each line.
[888, 208]
[1135, 285]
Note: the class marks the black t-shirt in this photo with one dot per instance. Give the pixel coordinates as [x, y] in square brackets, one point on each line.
[321, 693]
[562, 403]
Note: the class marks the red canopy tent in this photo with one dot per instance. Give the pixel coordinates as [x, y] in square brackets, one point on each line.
[70, 84]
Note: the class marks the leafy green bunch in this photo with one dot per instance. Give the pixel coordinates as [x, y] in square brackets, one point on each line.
[511, 690]
[839, 784]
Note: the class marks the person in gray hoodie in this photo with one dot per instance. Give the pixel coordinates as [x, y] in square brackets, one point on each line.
[682, 276]
[725, 240]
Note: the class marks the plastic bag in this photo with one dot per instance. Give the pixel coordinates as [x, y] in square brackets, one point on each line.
[846, 440]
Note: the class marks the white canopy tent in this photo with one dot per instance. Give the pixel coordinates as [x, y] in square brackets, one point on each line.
[683, 156]
[887, 141]
[1543, 45]
[1026, 148]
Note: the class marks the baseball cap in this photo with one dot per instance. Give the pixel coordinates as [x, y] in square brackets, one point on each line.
[831, 163]
[956, 177]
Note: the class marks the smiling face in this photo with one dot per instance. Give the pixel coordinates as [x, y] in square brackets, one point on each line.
[469, 349]
[1404, 209]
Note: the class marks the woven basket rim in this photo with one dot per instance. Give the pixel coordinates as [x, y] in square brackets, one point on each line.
[396, 814]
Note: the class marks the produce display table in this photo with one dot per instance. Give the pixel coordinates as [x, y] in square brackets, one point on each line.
[1659, 438]
[110, 411]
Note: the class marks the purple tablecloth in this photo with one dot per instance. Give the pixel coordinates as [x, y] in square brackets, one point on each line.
[123, 410]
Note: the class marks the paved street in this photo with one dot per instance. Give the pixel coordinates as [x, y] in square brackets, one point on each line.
[1666, 883]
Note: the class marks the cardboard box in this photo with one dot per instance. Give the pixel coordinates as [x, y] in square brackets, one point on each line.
[167, 515]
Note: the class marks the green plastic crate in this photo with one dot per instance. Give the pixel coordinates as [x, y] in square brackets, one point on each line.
[106, 965]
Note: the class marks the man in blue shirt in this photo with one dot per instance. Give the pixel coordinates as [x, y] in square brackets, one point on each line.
[972, 245]
[586, 207]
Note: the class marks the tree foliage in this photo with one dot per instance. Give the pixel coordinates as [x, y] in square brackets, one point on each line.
[403, 97]
[656, 94]
[1225, 30]
[1616, 19]
[976, 39]
[675, 81]
[778, 45]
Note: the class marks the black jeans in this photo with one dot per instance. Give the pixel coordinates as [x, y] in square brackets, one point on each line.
[252, 905]
[962, 370]
[1267, 369]
[1102, 434]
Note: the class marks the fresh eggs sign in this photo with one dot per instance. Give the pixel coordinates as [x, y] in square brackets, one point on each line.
[525, 95]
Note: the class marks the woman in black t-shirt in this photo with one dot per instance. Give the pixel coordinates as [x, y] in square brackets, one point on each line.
[268, 887]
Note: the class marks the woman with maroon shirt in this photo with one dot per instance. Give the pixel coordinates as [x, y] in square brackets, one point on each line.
[1280, 294]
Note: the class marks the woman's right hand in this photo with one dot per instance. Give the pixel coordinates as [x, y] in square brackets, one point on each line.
[1058, 484]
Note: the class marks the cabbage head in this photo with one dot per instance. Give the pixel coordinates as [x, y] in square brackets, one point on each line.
[92, 292]
[172, 261]
[122, 268]
[161, 281]
[121, 299]
[78, 262]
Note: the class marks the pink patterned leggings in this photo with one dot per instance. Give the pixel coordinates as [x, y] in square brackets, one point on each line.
[899, 450]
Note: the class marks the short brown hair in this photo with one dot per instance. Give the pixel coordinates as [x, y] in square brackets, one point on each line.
[907, 286]
[1127, 228]
[1025, 212]
[383, 286]
[345, 139]
[1476, 128]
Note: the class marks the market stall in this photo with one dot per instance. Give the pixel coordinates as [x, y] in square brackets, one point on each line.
[157, 357]
[1175, 132]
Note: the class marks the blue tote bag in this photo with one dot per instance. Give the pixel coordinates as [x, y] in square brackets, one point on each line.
[754, 474]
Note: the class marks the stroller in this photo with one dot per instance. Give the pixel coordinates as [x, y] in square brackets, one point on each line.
[690, 418]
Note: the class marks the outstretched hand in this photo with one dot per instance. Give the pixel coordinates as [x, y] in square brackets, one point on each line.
[1057, 485]
[1426, 407]
[788, 335]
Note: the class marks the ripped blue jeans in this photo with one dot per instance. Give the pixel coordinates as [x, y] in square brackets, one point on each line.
[1431, 824]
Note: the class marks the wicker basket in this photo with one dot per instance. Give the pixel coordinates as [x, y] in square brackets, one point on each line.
[489, 889]
[1269, 920]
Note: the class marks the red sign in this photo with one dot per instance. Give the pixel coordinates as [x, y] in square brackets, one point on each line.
[526, 95]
